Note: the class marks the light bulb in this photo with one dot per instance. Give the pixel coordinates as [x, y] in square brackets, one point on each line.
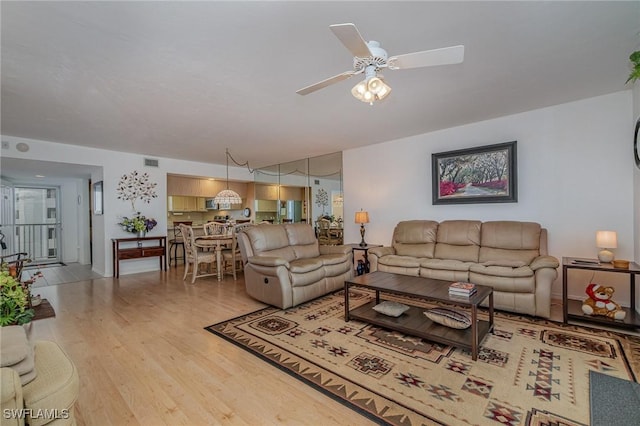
[375, 85]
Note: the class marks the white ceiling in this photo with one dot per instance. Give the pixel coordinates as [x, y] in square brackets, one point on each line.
[187, 79]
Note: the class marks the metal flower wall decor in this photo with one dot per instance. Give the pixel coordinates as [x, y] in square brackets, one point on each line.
[136, 186]
[322, 199]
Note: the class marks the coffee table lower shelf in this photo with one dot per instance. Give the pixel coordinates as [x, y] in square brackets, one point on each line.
[415, 323]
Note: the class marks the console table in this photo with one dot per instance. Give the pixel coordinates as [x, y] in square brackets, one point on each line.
[572, 309]
[139, 250]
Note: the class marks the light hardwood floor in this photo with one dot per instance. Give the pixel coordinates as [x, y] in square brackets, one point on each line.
[144, 358]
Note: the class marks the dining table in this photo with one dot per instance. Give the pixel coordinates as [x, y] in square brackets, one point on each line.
[217, 242]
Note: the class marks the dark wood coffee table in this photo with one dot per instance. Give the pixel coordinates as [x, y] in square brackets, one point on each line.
[413, 321]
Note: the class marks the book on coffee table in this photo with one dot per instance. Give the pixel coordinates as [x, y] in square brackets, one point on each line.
[462, 289]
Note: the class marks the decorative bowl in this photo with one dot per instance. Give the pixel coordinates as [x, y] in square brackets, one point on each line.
[621, 264]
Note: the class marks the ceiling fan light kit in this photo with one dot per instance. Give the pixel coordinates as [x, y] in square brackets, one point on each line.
[369, 58]
[371, 89]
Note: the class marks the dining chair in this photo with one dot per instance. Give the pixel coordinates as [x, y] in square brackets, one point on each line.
[232, 257]
[215, 228]
[326, 235]
[195, 256]
[177, 242]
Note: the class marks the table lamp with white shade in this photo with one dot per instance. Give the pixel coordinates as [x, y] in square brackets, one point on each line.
[606, 240]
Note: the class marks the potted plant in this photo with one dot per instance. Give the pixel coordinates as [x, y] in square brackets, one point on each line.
[635, 70]
[15, 308]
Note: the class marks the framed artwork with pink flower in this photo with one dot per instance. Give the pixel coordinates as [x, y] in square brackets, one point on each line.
[484, 174]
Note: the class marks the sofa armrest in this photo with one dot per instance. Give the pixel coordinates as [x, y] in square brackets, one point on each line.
[382, 251]
[334, 249]
[544, 262]
[11, 395]
[268, 261]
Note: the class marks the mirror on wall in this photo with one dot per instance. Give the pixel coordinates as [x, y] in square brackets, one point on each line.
[300, 191]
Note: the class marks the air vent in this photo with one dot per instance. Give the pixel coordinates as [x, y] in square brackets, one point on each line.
[317, 181]
[150, 162]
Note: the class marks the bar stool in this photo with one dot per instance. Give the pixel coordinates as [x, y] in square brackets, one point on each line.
[177, 241]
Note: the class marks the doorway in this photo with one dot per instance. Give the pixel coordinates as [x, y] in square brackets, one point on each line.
[31, 223]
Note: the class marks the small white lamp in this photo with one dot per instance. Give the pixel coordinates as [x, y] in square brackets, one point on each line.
[606, 240]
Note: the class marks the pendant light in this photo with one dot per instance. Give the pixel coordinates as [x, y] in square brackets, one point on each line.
[227, 196]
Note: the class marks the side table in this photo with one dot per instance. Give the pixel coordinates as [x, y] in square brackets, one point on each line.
[365, 249]
[140, 250]
[572, 309]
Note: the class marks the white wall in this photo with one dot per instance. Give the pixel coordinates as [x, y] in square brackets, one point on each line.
[574, 177]
[114, 165]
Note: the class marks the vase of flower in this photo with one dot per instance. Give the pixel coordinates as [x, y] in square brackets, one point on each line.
[138, 225]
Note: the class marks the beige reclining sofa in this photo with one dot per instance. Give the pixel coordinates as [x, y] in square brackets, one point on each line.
[284, 265]
[509, 256]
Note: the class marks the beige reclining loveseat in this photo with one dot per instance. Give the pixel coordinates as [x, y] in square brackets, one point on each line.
[284, 265]
[509, 256]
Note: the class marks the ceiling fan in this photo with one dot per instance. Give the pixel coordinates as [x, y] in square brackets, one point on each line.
[370, 58]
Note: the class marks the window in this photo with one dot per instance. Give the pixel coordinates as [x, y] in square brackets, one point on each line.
[51, 213]
[52, 233]
[51, 193]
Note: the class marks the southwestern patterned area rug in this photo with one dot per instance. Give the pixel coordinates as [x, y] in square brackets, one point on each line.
[529, 372]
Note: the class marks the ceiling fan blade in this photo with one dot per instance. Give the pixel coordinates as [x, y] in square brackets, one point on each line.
[349, 35]
[324, 83]
[428, 58]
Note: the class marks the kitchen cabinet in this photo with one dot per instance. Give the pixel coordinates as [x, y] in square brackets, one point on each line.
[179, 203]
[266, 205]
[266, 192]
[295, 193]
[197, 187]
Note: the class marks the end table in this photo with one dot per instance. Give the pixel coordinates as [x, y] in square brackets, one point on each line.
[365, 248]
[572, 309]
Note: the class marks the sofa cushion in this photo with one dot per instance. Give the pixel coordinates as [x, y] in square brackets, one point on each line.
[510, 241]
[391, 308]
[415, 238]
[445, 264]
[402, 261]
[13, 344]
[302, 238]
[459, 240]
[270, 240]
[334, 259]
[449, 317]
[513, 285]
[300, 266]
[502, 271]
[511, 235]
[57, 385]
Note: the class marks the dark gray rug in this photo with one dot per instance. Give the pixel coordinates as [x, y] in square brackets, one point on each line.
[613, 401]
